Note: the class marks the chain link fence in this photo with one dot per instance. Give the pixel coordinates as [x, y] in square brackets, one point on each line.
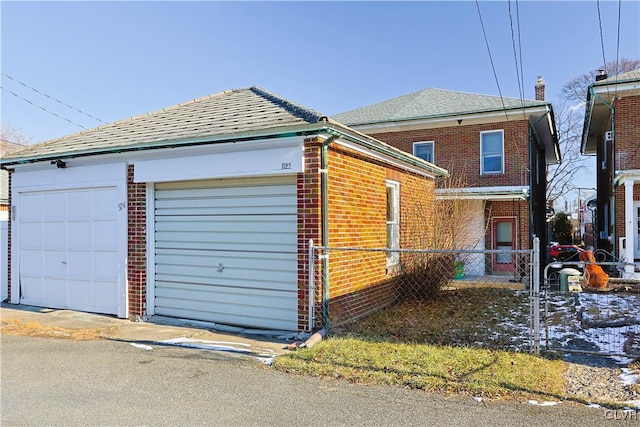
[479, 298]
[578, 318]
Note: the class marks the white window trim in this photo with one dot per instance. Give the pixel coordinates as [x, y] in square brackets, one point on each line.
[433, 149]
[482, 171]
[393, 258]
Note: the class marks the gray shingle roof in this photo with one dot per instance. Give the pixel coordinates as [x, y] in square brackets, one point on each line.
[629, 75]
[230, 112]
[428, 103]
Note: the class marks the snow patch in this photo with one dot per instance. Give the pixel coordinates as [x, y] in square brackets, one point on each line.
[629, 377]
[545, 403]
[142, 346]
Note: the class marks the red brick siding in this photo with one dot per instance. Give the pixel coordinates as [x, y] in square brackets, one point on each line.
[309, 227]
[360, 282]
[137, 246]
[457, 149]
[8, 272]
[627, 146]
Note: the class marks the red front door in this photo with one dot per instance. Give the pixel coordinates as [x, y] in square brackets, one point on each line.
[504, 233]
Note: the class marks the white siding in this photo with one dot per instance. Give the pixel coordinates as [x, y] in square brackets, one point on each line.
[226, 251]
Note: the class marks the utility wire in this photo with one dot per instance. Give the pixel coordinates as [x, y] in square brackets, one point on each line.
[604, 61]
[495, 75]
[52, 98]
[515, 57]
[41, 107]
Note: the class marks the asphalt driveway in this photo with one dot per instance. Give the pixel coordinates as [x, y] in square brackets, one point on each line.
[63, 382]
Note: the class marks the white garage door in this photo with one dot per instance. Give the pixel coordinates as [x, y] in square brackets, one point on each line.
[68, 249]
[226, 252]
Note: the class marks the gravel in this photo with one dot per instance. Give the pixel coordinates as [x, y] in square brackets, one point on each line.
[599, 384]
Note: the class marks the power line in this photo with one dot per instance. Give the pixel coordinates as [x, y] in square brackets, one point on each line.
[495, 75]
[515, 56]
[604, 61]
[52, 98]
[41, 107]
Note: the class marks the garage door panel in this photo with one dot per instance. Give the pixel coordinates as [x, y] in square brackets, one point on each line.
[81, 203]
[32, 235]
[55, 263]
[55, 206]
[104, 202]
[79, 235]
[228, 296]
[104, 234]
[69, 249]
[32, 207]
[273, 247]
[249, 228]
[103, 265]
[225, 237]
[229, 260]
[80, 264]
[34, 259]
[32, 289]
[248, 224]
[227, 308]
[232, 273]
[55, 292]
[55, 234]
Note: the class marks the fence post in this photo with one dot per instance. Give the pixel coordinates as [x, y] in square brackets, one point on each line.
[312, 287]
[535, 296]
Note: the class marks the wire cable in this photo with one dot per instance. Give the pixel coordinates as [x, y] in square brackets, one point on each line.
[604, 61]
[515, 57]
[41, 107]
[50, 97]
[493, 67]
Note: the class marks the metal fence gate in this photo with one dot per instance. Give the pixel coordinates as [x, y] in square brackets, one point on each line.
[579, 319]
[448, 297]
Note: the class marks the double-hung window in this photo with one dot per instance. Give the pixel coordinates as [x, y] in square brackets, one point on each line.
[424, 150]
[393, 222]
[491, 152]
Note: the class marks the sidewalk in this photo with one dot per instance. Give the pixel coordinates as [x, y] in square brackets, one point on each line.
[158, 330]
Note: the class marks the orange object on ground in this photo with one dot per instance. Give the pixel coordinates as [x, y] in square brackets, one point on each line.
[594, 275]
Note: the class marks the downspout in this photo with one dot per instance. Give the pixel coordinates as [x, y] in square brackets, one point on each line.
[324, 210]
[612, 200]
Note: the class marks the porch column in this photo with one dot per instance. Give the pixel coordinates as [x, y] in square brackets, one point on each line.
[629, 229]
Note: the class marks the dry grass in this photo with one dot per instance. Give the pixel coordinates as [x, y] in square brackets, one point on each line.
[15, 326]
[466, 371]
[485, 317]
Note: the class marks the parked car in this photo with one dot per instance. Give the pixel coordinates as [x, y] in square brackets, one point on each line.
[565, 252]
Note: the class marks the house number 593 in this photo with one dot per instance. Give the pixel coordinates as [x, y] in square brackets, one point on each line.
[286, 165]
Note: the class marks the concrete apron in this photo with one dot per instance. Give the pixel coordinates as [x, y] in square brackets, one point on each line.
[159, 330]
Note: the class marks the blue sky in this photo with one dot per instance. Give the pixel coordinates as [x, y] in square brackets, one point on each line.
[114, 60]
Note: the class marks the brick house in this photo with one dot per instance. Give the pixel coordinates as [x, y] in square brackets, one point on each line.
[498, 148]
[205, 210]
[612, 133]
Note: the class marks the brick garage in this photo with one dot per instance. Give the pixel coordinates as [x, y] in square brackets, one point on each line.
[190, 208]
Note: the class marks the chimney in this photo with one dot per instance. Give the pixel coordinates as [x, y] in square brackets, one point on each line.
[602, 75]
[540, 89]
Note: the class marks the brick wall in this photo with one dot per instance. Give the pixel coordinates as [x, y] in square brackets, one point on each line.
[137, 246]
[627, 146]
[309, 227]
[8, 272]
[457, 149]
[361, 282]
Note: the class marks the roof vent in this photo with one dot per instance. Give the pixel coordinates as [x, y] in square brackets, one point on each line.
[602, 75]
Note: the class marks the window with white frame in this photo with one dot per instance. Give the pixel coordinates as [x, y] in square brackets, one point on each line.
[393, 222]
[424, 150]
[491, 152]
